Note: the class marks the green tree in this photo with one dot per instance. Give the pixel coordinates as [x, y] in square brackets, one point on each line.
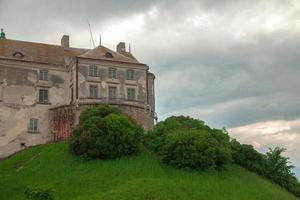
[105, 132]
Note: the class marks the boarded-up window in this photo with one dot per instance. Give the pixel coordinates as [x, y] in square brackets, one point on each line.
[131, 94]
[43, 96]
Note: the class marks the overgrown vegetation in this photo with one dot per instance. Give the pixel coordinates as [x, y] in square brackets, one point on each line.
[140, 177]
[271, 165]
[184, 142]
[105, 132]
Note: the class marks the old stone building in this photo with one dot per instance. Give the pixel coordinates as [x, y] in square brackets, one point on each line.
[44, 87]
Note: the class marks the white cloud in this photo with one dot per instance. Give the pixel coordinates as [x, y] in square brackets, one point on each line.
[264, 135]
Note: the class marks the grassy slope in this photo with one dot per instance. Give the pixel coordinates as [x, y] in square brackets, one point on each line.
[139, 177]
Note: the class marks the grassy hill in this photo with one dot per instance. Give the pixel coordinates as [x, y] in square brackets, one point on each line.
[134, 178]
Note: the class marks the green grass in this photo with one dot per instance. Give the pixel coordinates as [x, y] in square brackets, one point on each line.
[134, 178]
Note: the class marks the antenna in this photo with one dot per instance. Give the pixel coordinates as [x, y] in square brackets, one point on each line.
[92, 38]
[100, 40]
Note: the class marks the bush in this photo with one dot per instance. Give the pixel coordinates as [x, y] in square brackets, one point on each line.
[184, 142]
[272, 166]
[39, 194]
[105, 132]
[246, 156]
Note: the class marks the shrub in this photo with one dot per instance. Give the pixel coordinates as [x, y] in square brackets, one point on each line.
[105, 132]
[184, 142]
[39, 194]
[272, 166]
[246, 156]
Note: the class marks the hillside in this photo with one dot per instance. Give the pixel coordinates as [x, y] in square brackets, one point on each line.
[140, 177]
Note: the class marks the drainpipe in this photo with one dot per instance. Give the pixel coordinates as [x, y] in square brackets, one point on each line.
[76, 79]
[147, 85]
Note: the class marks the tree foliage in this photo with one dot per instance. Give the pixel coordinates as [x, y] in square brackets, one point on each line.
[272, 165]
[105, 132]
[184, 142]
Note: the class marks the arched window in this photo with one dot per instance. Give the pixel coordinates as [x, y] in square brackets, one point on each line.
[108, 55]
[18, 54]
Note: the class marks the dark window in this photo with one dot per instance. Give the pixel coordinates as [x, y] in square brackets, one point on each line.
[130, 74]
[93, 70]
[112, 92]
[43, 96]
[44, 75]
[108, 55]
[94, 91]
[112, 73]
[33, 125]
[18, 54]
[131, 94]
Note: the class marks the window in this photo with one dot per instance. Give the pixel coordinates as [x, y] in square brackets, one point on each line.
[44, 75]
[94, 91]
[112, 92]
[43, 96]
[93, 70]
[18, 54]
[112, 73]
[131, 94]
[130, 74]
[108, 55]
[33, 125]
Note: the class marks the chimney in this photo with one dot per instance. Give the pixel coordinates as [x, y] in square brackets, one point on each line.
[65, 42]
[121, 48]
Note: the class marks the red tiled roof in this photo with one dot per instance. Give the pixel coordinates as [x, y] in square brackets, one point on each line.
[37, 52]
[100, 52]
[55, 54]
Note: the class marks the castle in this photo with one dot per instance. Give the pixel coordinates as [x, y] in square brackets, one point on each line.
[45, 87]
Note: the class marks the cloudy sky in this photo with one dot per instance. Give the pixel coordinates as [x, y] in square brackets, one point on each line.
[231, 63]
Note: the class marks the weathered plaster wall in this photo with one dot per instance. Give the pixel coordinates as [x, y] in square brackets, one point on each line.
[103, 81]
[14, 121]
[19, 86]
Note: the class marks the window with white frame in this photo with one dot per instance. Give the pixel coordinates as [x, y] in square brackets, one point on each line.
[131, 94]
[130, 74]
[33, 125]
[112, 92]
[112, 73]
[93, 70]
[43, 96]
[93, 91]
[43, 75]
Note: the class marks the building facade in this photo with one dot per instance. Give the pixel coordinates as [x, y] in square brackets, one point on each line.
[44, 88]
